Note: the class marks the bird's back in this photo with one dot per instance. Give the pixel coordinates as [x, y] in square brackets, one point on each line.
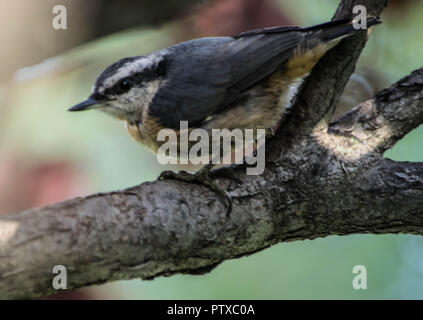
[205, 76]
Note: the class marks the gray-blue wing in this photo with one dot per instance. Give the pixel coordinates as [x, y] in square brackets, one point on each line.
[205, 76]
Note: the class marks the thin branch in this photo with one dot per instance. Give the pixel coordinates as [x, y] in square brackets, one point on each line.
[379, 122]
[323, 88]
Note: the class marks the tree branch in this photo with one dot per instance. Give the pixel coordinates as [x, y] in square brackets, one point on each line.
[315, 184]
[379, 123]
[327, 81]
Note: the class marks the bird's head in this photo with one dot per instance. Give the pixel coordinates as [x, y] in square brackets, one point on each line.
[125, 88]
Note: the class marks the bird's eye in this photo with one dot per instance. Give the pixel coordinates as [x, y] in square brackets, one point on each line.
[125, 84]
[120, 87]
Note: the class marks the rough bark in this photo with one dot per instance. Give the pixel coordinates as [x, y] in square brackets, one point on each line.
[320, 179]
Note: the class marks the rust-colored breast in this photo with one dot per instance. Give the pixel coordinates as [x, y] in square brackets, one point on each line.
[133, 131]
[145, 133]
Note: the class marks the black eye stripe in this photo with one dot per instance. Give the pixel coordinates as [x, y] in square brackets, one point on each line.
[124, 85]
[138, 79]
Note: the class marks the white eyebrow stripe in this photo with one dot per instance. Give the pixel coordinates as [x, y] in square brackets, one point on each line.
[132, 67]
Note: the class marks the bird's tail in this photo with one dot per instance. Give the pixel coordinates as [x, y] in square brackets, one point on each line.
[318, 40]
[339, 28]
[327, 31]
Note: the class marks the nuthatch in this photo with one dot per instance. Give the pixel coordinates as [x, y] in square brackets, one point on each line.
[241, 82]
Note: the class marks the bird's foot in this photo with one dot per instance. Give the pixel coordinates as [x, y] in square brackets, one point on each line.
[201, 177]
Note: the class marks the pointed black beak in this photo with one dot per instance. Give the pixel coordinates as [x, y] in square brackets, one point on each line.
[84, 105]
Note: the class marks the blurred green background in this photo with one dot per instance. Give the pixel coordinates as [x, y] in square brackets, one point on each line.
[50, 155]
